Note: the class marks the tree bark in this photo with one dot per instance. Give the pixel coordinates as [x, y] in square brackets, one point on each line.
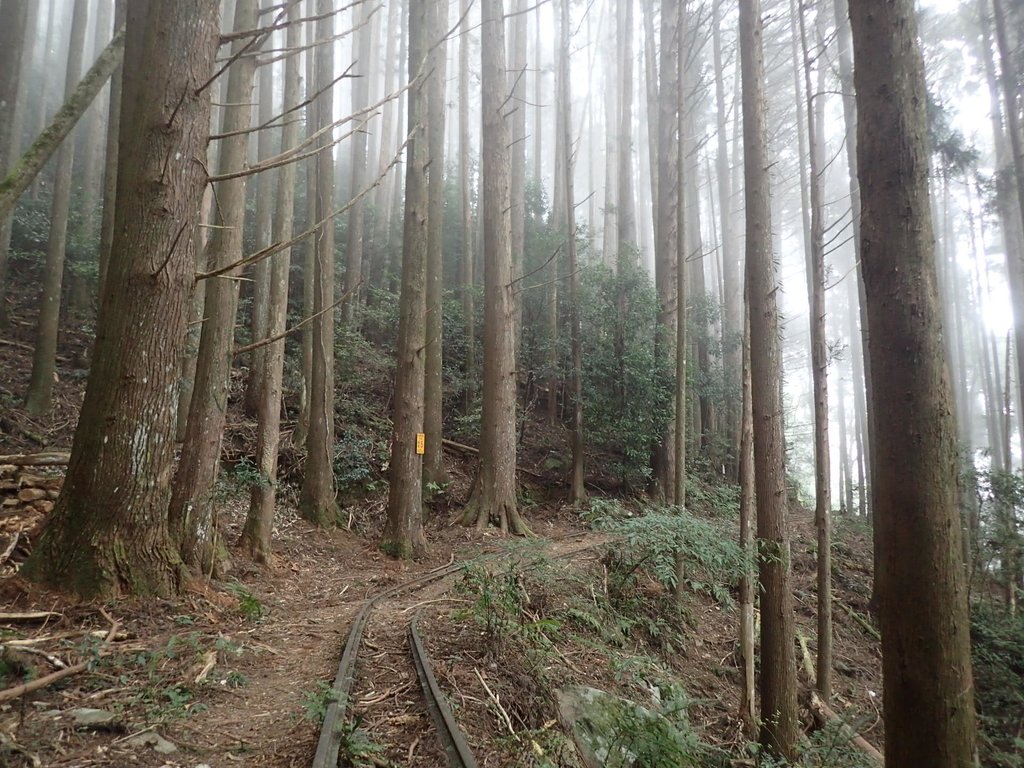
[193, 519]
[666, 229]
[578, 493]
[14, 39]
[434, 473]
[466, 220]
[732, 309]
[494, 497]
[929, 707]
[403, 532]
[259, 523]
[44, 357]
[779, 728]
[624, 197]
[108, 533]
[351, 285]
[110, 159]
[747, 512]
[317, 499]
[819, 360]
[264, 220]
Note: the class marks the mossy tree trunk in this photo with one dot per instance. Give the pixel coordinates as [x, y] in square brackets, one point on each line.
[108, 533]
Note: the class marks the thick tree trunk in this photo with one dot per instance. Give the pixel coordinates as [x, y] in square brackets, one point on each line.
[494, 497]
[317, 500]
[929, 707]
[108, 533]
[44, 357]
[259, 523]
[434, 474]
[779, 728]
[403, 532]
[193, 520]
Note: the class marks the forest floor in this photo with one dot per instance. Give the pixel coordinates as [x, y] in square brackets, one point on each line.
[237, 672]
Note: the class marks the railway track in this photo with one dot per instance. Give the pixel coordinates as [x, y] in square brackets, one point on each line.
[392, 653]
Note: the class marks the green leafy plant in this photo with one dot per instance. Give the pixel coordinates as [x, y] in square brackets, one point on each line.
[316, 701]
[248, 604]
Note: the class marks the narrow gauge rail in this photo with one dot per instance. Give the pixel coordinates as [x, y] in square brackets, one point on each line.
[450, 735]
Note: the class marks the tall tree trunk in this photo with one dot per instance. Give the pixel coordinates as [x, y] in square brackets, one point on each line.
[14, 39]
[466, 219]
[682, 200]
[44, 357]
[929, 707]
[517, 111]
[863, 389]
[259, 523]
[193, 519]
[110, 158]
[403, 532]
[310, 245]
[434, 473]
[80, 289]
[354, 234]
[732, 305]
[666, 227]
[494, 496]
[108, 533]
[610, 97]
[260, 311]
[624, 197]
[388, 144]
[317, 500]
[819, 359]
[778, 665]
[578, 493]
[1010, 161]
[747, 512]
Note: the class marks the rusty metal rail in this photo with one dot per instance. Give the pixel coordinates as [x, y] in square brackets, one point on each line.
[450, 735]
[329, 744]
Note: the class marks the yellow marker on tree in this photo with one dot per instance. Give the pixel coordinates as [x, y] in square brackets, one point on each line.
[421, 443]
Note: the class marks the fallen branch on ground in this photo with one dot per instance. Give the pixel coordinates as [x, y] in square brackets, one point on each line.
[9, 694]
[868, 626]
[49, 459]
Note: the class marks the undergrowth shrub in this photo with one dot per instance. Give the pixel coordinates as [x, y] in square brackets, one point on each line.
[997, 651]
